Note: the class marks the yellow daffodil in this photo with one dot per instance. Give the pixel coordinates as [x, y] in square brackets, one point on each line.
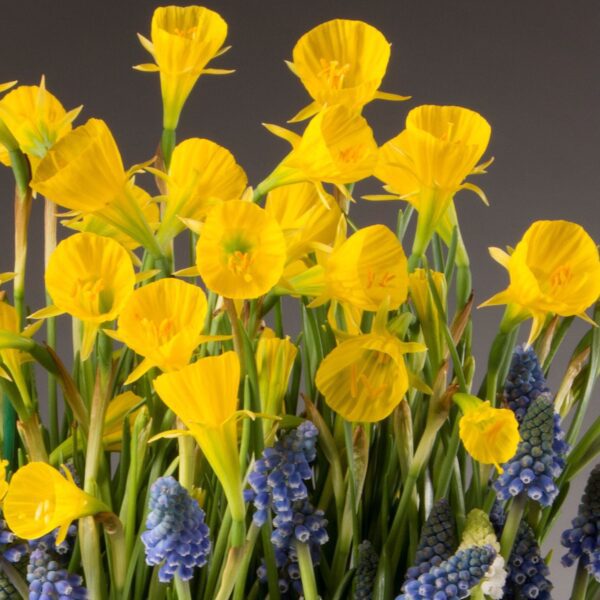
[365, 377]
[241, 250]
[274, 360]
[84, 172]
[304, 218]
[36, 119]
[554, 269]
[183, 41]
[341, 62]
[162, 321]
[336, 147]
[201, 174]
[490, 435]
[40, 499]
[204, 397]
[3, 482]
[90, 277]
[428, 162]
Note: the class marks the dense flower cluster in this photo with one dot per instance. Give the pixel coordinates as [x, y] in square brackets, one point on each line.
[583, 539]
[176, 536]
[539, 458]
[366, 571]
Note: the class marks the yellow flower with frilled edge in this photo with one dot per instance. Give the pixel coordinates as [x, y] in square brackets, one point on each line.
[201, 174]
[336, 147]
[303, 217]
[490, 435]
[3, 482]
[183, 41]
[428, 162]
[91, 278]
[241, 250]
[40, 499]
[554, 269]
[84, 172]
[365, 377]
[36, 119]
[204, 397]
[162, 321]
[341, 62]
[274, 361]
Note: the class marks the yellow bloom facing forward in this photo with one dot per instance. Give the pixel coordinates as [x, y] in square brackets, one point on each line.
[40, 499]
[201, 174]
[336, 147]
[183, 41]
[241, 251]
[90, 277]
[490, 435]
[554, 269]
[162, 321]
[341, 62]
[204, 397]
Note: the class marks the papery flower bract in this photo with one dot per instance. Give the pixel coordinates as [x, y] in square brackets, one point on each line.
[162, 321]
[341, 62]
[36, 119]
[90, 277]
[40, 499]
[304, 217]
[184, 40]
[204, 397]
[554, 269]
[201, 174]
[336, 147]
[490, 435]
[365, 377]
[241, 251]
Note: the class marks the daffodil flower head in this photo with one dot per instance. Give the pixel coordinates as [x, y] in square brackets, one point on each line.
[183, 41]
[365, 377]
[201, 174]
[162, 321]
[40, 499]
[554, 269]
[341, 62]
[336, 147]
[91, 278]
[36, 119]
[9, 321]
[490, 435]
[204, 397]
[241, 250]
[3, 482]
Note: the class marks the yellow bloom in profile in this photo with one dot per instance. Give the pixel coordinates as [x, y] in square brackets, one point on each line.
[365, 377]
[3, 482]
[11, 359]
[201, 174]
[554, 269]
[90, 277]
[40, 499]
[36, 119]
[183, 41]
[490, 435]
[162, 321]
[241, 250]
[341, 62]
[303, 217]
[204, 397]
[428, 162]
[336, 147]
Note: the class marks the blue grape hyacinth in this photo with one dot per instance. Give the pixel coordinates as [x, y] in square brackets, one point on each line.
[583, 538]
[539, 458]
[176, 536]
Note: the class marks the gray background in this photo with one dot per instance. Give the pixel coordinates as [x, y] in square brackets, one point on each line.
[531, 68]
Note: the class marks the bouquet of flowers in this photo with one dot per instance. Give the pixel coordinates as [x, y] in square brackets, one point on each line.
[189, 448]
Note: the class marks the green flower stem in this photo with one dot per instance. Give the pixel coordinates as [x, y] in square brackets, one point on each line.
[352, 486]
[238, 533]
[513, 520]
[269, 555]
[182, 588]
[580, 584]
[167, 144]
[187, 463]
[307, 572]
[31, 432]
[91, 560]
[217, 555]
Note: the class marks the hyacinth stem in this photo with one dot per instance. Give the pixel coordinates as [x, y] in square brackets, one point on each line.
[307, 572]
[580, 584]
[513, 520]
[167, 144]
[182, 588]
